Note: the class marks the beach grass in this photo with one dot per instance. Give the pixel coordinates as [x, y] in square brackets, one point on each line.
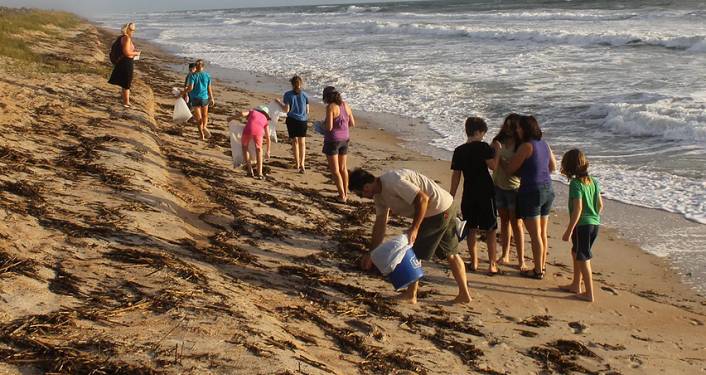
[16, 24]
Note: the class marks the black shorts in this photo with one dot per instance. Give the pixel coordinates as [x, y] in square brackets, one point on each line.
[296, 128]
[332, 148]
[582, 239]
[480, 213]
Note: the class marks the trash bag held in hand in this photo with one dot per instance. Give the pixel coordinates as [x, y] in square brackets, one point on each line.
[388, 255]
[181, 111]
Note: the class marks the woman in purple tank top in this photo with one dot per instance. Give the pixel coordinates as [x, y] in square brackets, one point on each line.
[339, 119]
[534, 162]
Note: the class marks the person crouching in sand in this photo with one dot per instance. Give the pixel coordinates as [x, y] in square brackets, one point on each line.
[256, 127]
[585, 207]
[408, 193]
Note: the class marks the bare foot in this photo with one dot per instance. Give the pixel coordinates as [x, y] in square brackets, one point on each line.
[462, 299]
[523, 267]
[405, 298]
[570, 288]
[504, 261]
[585, 297]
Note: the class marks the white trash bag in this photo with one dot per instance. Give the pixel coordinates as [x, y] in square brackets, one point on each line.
[388, 255]
[181, 111]
[176, 91]
[236, 147]
[275, 114]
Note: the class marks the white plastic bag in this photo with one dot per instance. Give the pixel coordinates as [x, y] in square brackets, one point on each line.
[236, 147]
[176, 91]
[181, 111]
[388, 255]
[275, 114]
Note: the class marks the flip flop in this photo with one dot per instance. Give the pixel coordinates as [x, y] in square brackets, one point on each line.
[532, 274]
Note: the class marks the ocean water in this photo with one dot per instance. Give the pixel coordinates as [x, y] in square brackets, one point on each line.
[625, 81]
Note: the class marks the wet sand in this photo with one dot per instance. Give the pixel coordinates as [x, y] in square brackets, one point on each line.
[128, 244]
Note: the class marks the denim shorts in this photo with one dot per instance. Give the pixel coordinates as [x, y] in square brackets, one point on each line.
[505, 199]
[535, 203]
[332, 148]
[197, 102]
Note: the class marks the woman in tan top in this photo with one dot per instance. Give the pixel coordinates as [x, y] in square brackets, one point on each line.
[506, 186]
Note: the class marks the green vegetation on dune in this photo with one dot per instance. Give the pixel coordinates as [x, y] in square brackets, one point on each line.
[16, 24]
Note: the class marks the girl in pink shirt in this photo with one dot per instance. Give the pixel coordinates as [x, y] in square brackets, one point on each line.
[256, 128]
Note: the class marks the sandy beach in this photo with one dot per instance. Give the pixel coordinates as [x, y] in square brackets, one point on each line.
[129, 246]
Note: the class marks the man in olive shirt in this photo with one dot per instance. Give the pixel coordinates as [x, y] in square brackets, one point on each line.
[405, 192]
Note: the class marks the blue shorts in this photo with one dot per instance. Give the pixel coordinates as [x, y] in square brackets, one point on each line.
[505, 199]
[582, 239]
[196, 102]
[535, 203]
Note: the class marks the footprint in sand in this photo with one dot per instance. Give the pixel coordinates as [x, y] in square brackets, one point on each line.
[610, 290]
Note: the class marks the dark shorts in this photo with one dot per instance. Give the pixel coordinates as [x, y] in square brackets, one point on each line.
[296, 128]
[335, 148]
[480, 213]
[505, 199]
[582, 239]
[196, 102]
[535, 203]
[437, 236]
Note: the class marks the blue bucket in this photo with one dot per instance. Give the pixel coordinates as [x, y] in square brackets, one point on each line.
[407, 272]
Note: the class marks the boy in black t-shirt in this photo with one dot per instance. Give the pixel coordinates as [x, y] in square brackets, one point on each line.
[473, 159]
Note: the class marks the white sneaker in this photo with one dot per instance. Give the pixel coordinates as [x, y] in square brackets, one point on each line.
[460, 228]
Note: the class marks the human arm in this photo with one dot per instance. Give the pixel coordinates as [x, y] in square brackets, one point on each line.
[421, 202]
[577, 207]
[211, 99]
[379, 229]
[238, 116]
[455, 181]
[523, 152]
[492, 161]
[351, 119]
[267, 141]
[329, 117]
[282, 105]
[552, 160]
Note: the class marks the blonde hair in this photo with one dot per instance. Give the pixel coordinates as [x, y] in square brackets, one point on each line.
[126, 27]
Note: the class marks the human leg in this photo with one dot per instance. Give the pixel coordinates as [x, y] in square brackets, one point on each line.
[544, 223]
[410, 294]
[533, 228]
[126, 97]
[505, 235]
[586, 273]
[246, 158]
[199, 115]
[295, 152]
[258, 152]
[519, 235]
[343, 167]
[336, 175]
[491, 244]
[204, 120]
[302, 152]
[575, 286]
[459, 272]
[471, 241]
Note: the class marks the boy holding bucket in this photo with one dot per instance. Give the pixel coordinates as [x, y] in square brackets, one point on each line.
[408, 193]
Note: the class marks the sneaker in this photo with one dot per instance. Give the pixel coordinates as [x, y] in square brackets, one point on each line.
[460, 228]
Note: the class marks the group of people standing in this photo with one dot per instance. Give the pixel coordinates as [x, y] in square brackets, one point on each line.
[519, 189]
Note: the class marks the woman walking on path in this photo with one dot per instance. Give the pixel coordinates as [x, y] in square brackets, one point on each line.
[296, 103]
[124, 67]
[534, 162]
[506, 186]
[201, 95]
[339, 118]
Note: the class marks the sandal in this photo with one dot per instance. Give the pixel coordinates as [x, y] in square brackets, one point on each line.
[533, 274]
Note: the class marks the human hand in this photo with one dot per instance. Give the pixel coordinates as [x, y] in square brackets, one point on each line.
[566, 236]
[366, 263]
[211, 102]
[411, 236]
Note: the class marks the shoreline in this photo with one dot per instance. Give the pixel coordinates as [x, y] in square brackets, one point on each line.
[134, 246]
[618, 218]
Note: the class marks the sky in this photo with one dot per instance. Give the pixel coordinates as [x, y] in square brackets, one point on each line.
[96, 7]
